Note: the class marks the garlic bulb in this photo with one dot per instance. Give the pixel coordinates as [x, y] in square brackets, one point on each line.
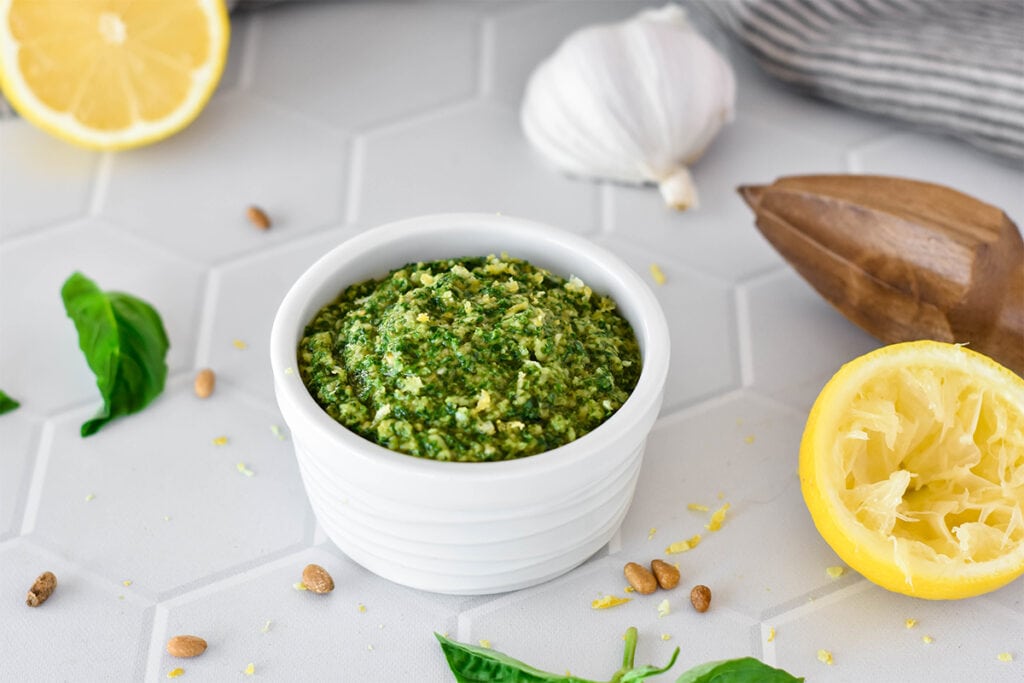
[634, 102]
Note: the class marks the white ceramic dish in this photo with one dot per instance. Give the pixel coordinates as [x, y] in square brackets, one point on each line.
[469, 528]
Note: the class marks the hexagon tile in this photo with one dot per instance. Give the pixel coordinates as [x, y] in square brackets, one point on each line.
[190, 517]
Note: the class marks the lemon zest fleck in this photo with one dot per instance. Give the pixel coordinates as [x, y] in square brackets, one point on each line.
[771, 634]
[825, 657]
[174, 673]
[1004, 657]
[484, 643]
[609, 601]
[927, 640]
[910, 623]
[683, 546]
[836, 571]
[717, 517]
[220, 440]
[697, 507]
[250, 669]
[239, 344]
[657, 274]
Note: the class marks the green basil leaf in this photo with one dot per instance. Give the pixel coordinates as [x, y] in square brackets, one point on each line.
[743, 670]
[7, 404]
[125, 344]
[472, 664]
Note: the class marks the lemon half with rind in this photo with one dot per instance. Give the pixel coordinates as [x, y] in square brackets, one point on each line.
[111, 74]
[912, 467]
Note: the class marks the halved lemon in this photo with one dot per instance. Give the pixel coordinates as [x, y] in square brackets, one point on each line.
[912, 467]
[111, 74]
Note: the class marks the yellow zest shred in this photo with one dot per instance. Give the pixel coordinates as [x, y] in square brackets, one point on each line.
[651, 532]
[174, 673]
[609, 601]
[748, 439]
[657, 274]
[220, 440]
[126, 583]
[927, 640]
[362, 608]
[910, 623]
[90, 497]
[299, 586]
[239, 344]
[244, 470]
[266, 627]
[825, 657]
[697, 507]
[683, 546]
[629, 589]
[665, 636]
[836, 571]
[485, 643]
[771, 634]
[250, 669]
[277, 432]
[717, 517]
[1004, 657]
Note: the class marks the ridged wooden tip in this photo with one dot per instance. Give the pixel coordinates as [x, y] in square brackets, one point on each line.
[752, 194]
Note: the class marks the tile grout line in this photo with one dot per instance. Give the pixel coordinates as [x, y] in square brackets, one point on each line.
[101, 184]
[248, 67]
[744, 337]
[33, 500]
[155, 655]
[357, 156]
[485, 74]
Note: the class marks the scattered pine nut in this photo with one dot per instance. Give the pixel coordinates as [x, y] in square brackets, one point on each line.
[666, 574]
[184, 647]
[700, 598]
[640, 578]
[42, 589]
[316, 579]
[258, 217]
[204, 383]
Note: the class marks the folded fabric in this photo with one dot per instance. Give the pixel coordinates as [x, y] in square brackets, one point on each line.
[953, 66]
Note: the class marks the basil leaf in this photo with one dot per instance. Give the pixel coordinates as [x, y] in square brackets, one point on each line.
[7, 404]
[472, 664]
[743, 670]
[125, 344]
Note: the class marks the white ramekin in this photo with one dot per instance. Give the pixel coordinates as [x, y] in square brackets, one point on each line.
[468, 528]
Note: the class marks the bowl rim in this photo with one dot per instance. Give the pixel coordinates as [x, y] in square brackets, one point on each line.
[292, 394]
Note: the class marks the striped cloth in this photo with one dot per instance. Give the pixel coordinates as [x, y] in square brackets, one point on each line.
[956, 66]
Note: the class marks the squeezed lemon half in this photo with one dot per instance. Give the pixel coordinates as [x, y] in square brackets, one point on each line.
[111, 74]
[912, 467]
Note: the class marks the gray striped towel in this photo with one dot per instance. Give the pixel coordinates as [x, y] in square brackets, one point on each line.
[956, 66]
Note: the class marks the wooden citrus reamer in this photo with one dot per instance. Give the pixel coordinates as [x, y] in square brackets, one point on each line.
[903, 259]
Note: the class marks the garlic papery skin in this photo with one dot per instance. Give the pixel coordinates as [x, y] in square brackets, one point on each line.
[634, 102]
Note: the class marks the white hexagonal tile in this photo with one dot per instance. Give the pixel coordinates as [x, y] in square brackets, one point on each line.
[374, 62]
[89, 629]
[468, 158]
[366, 629]
[524, 624]
[244, 300]
[47, 371]
[240, 152]
[947, 162]
[238, 52]
[143, 499]
[719, 236]
[702, 327]
[42, 179]
[19, 434]
[1011, 596]
[529, 34]
[865, 629]
[797, 339]
[741, 451]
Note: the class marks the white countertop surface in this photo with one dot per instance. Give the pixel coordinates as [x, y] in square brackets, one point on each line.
[336, 117]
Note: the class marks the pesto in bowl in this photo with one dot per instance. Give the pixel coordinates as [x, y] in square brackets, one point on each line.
[470, 359]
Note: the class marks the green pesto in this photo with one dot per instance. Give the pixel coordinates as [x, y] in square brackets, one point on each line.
[470, 359]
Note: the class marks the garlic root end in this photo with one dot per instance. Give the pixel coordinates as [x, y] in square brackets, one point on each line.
[678, 189]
